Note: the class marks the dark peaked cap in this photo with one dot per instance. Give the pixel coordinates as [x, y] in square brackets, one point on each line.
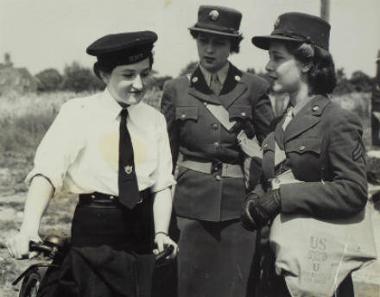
[297, 27]
[122, 48]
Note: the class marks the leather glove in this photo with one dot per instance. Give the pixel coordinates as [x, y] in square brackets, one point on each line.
[260, 209]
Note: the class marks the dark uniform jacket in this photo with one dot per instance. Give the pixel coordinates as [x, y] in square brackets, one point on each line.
[198, 135]
[323, 146]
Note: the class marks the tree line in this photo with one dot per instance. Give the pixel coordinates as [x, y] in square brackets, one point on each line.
[78, 78]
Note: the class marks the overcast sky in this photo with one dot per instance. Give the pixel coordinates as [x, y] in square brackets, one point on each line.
[41, 34]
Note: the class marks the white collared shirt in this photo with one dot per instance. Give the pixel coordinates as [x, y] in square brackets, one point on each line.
[80, 150]
[221, 74]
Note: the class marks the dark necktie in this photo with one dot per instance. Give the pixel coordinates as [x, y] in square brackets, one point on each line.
[128, 189]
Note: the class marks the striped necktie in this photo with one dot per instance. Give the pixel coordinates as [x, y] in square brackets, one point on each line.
[127, 181]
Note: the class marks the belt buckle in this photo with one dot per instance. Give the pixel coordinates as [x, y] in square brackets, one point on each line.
[216, 166]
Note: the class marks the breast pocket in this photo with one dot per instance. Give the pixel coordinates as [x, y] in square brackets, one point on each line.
[304, 157]
[187, 118]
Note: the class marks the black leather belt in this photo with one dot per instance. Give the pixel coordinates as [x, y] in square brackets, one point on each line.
[101, 199]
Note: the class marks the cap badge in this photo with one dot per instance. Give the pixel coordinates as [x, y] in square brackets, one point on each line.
[214, 15]
[277, 23]
[128, 169]
[135, 58]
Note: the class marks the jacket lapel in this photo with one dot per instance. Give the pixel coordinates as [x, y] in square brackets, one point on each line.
[233, 87]
[306, 118]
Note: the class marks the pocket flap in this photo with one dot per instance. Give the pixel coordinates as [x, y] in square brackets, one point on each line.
[240, 112]
[303, 145]
[187, 113]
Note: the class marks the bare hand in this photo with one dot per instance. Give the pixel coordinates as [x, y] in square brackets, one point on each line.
[162, 241]
[18, 245]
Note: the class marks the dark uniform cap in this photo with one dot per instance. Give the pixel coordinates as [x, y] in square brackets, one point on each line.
[123, 48]
[218, 20]
[297, 27]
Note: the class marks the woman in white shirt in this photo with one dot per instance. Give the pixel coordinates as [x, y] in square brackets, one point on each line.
[113, 151]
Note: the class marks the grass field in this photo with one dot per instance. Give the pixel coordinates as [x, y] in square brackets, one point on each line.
[23, 121]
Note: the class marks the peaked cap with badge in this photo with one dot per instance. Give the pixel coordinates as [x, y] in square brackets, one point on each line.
[297, 27]
[218, 20]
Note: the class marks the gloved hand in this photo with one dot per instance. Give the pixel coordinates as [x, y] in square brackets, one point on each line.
[260, 209]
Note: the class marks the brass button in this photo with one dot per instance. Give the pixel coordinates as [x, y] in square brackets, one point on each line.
[112, 197]
[216, 143]
[265, 145]
[194, 79]
[218, 177]
[93, 196]
[315, 108]
[214, 126]
[140, 201]
[243, 114]
[302, 147]
[205, 103]
[183, 116]
[237, 77]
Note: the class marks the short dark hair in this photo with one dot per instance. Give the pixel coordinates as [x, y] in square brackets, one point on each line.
[235, 41]
[321, 76]
[109, 68]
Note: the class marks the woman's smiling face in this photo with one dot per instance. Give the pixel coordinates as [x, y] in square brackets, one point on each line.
[126, 83]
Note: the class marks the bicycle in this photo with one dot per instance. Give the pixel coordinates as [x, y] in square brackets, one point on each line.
[52, 248]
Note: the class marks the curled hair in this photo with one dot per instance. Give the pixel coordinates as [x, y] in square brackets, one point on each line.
[321, 75]
[107, 69]
[235, 41]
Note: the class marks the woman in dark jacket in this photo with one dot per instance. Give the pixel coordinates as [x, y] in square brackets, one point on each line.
[205, 111]
[316, 139]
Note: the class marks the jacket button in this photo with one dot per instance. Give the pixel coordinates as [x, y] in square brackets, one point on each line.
[265, 145]
[218, 177]
[302, 147]
[183, 116]
[214, 126]
[243, 114]
[216, 143]
[194, 79]
[315, 108]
